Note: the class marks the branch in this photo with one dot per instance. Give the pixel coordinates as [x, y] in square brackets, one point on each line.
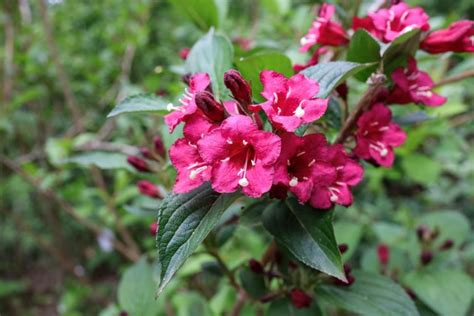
[241, 299]
[463, 75]
[71, 102]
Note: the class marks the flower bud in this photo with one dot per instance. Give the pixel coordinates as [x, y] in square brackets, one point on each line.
[343, 248]
[383, 254]
[159, 146]
[153, 228]
[138, 163]
[447, 244]
[183, 53]
[209, 106]
[149, 189]
[426, 257]
[186, 78]
[424, 233]
[300, 299]
[256, 266]
[239, 87]
[145, 151]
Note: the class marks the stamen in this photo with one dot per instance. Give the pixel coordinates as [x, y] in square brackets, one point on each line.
[193, 174]
[383, 128]
[288, 163]
[245, 142]
[226, 159]
[275, 97]
[229, 141]
[311, 163]
[243, 182]
[299, 112]
[293, 182]
[288, 93]
[300, 153]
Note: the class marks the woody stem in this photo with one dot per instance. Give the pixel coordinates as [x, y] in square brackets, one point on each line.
[455, 78]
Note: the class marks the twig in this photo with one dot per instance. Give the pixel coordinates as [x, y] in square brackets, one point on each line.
[455, 78]
[53, 196]
[241, 299]
[269, 254]
[71, 102]
[9, 54]
[224, 267]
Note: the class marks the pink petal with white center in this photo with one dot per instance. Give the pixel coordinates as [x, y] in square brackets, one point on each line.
[267, 146]
[300, 87]
[314, 109]
[213, 147]
[273, 82]
[224, 176]
[394, 136]
[320, 198]
[352, 173]
[260, 178]
[197, 126]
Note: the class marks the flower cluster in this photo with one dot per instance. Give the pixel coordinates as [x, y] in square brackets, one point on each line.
[225, 143]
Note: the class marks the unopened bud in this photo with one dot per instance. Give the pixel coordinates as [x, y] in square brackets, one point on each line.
[153, 228]
[383, 254]
[209, 106]
[343, 248]
[255, 266]
[149, 189]
[186, 78]
[239, 87]
[300, 299]
[426, 257]
[424, 233]
[138, 163]
[183, 53]
[447, 244]
[145, 151]
[159, 146]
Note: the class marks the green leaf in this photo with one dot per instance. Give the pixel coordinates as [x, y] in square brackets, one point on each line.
[451, 225]
[203, 13]
[278, 7]
[251, 66]
[140, 103]
[363, 48]
[348, 233]
[136, 290]
[447, 292]
[185, 220]
[100, 159]
[330, 75]
[395, 54]
[284, 307]
[421, 169]
[307, 233]
[212, 54]
[253, 283]
[370, 294]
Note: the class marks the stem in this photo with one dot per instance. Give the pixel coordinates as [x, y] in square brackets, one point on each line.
[455, 78]
[224, 267]
[241, 299]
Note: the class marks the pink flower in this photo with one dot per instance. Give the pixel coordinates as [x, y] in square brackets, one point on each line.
[388, 24]
[295, 166]
[290, 102]
[456, 38]
[192, 170]
[240, 155]
[139, 164]
[197, 83]
[149, 189]
[324, 31]
[376, 136]
[313, 61]
[333, 178]
[413, 85]
[383, 254]
[184, 52]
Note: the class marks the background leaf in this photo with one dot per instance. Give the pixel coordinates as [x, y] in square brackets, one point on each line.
[213, 54]
[284, 307]
[370, 294]
[140, 103]
[185, 220]
[363, 48]
[395, 54]
[307, 233]
[102, 160]
[203, 13]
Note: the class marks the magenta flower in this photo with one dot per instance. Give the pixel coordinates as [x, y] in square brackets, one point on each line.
[333, 178]
[456, 38]
[413, 85]
[192, 170]
[295, 166]
[323, 31]
[388, 24]
[290, 102]
[376, 136]
[240, 155]
[197, 83]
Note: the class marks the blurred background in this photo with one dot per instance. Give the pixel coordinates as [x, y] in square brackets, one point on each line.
[72, 219]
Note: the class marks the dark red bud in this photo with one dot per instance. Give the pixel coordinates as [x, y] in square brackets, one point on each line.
[447, 244]
[146, 153]
[256, 266]
[347, 269]
[343, 91]
[424, 233]
[239, 87]
[300, 299]
[268, 297]
[343, 248]
[159, 146]
[209, 106]
[183, 53]
[426, 257]
[123, 313]
[138, 163]
[383, 254]
[149, 189]
[186, 78]
[410, 293]
[153, 228]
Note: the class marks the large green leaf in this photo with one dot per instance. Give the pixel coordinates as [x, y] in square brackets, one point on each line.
[140, 103]
[370, 294]
[330, 75]
[278, 7]
[251, 66]
[136, 290]
[447, 292]
[213, 54]
[307, 233]
[203, 13]
[185, 220]
[451, 225]
[363, 48]
[253, 283]
[395, 54]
